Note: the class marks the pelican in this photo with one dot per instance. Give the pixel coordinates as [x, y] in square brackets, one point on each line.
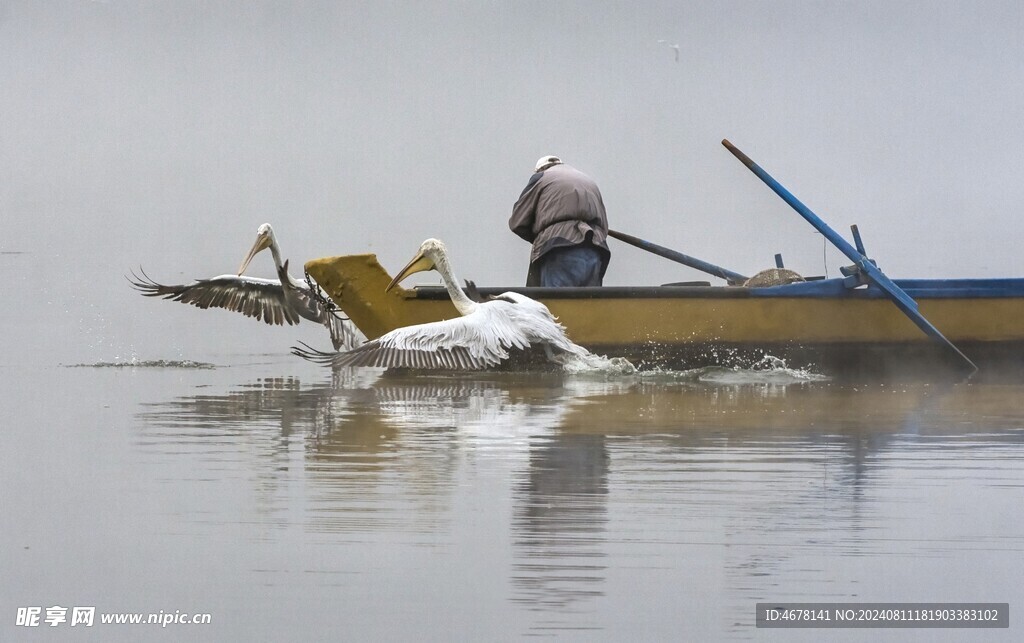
[480, 337]
[275, 301]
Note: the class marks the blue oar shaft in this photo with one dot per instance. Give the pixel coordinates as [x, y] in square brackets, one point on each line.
[902, 300]
[830, 234]
[678, 257]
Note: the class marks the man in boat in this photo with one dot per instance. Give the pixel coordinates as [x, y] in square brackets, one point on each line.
[562, 214]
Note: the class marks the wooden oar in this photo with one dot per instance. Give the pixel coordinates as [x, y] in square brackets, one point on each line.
[902, 300]
[733, 278]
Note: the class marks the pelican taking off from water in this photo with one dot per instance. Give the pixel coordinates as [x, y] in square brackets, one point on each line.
[277, 302]
[480, 337]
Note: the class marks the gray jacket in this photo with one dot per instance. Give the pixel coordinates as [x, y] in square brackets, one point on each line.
[561, 206]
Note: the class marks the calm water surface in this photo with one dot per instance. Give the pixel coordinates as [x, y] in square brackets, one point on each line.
[293, 504]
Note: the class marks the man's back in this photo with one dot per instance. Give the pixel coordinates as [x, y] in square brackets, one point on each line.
[561, 208]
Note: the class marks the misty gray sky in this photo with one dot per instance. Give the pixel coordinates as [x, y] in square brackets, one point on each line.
[163, 133]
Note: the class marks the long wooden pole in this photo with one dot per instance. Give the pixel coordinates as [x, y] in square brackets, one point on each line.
[734, 278]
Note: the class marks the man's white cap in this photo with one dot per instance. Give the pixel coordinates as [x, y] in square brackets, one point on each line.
[545, 162]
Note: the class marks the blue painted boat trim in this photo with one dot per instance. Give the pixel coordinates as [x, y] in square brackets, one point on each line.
[916, 288]
[819, 289]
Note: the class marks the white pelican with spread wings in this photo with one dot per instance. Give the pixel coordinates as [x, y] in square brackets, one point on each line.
[481, 337]
[276, 302]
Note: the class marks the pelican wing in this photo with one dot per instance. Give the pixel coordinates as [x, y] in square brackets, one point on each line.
[473, 292]
[306, 303]
[479, 340]
[372, 354]
[343, 333]
[263, 299]
[538, 325]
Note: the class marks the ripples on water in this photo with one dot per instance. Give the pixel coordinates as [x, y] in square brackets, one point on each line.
[296, 503]
[655, 505]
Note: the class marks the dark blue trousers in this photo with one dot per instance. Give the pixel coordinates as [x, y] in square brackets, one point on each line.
[571, 266]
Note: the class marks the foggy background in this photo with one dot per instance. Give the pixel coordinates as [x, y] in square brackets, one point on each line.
[162, 133]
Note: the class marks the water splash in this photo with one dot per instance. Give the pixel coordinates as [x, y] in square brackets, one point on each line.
[591, 364]
[768, 370]
[153, 363]
[739, 376]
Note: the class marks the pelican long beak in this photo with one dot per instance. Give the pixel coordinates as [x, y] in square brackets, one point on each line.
[262, 243]
[419, 263]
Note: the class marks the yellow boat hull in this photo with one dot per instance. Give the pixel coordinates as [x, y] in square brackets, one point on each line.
[672, 322]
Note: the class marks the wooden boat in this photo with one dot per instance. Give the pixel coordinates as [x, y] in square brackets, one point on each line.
[863, 323]
[819, 324]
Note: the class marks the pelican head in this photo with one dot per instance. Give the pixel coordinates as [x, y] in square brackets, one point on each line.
[431, 252]
[264, 239]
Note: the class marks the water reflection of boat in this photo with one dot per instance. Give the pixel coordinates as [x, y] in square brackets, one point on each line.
[691, 407]
[747, 477]
[559, 529]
